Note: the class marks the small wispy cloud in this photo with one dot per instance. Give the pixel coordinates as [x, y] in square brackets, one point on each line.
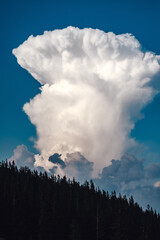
[157, 184]
[23, 157]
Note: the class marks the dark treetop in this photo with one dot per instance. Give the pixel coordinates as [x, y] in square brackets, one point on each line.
[34, 206]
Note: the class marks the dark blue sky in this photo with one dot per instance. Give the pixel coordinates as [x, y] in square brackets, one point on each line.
[20, 19]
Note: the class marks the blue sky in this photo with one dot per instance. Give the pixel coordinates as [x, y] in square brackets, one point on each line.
[20, 19]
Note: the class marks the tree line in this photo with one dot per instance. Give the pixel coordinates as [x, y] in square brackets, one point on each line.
[35, 206]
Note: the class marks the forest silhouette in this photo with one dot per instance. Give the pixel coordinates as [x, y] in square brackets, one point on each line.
[35, 206]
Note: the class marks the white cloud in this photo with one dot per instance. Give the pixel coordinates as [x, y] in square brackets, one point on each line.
[22, 157]
[157, 184]
[94, 87]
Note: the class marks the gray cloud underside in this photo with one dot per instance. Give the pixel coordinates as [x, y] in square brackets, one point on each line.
[128, 175]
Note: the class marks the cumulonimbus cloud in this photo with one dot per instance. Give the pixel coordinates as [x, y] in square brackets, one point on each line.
[94, 85]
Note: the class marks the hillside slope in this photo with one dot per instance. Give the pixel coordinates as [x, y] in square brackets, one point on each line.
[34, 206]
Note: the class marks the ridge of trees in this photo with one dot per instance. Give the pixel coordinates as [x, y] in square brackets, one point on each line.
[35, 206]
